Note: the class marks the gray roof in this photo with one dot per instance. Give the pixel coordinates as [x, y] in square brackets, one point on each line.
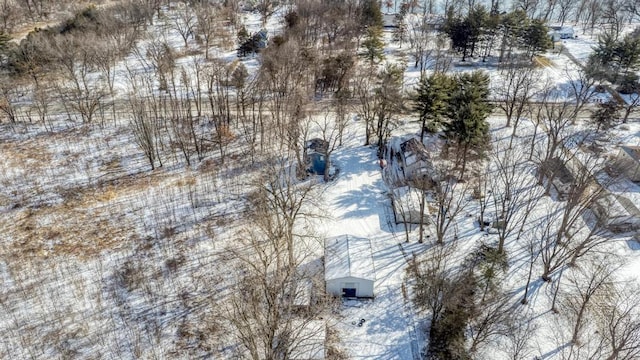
[348, 256]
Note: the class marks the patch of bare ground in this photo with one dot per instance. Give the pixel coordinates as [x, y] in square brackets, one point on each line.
[86, 222]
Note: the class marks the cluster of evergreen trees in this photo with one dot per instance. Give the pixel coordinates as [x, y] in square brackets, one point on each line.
[458, 105]
[616, 60]
[481, 32]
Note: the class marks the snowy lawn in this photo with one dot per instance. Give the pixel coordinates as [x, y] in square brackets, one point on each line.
[358, 205]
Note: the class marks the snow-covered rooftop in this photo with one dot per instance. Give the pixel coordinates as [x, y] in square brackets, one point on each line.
[348, 256]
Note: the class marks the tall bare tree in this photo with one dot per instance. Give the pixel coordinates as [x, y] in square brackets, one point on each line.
[586, 284]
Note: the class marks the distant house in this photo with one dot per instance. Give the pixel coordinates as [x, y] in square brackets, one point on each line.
[629, 162]
[416, 164]
[407, 203]
[348, 267]
[558, 33]
[389, 21]
[261, 38]
[316, 156]
[617, 213]
[254, 44]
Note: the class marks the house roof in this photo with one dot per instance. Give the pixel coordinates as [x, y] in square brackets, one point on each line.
[618, 208]
[413, 150]
[563, 29]
[318, 145]
[348, 256]
[302, 294]
[632, 151]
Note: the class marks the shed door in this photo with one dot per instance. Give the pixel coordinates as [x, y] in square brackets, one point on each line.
[349, 290]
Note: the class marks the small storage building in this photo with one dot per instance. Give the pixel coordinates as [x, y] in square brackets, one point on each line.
[558, 33]
[410, 205]
[617, 213]
[348, 266]
[629, 162]
[556, 170]
[316, 156]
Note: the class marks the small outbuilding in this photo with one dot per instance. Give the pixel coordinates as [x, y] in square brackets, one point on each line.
[558, 33]
[617, 213]
[561, 177]
[629, 162]
[348, 267]
[316, 156]
[410, 205]
[390, 21]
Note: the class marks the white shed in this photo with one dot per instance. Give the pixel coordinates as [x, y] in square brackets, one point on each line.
[558, 33]
[348, 267]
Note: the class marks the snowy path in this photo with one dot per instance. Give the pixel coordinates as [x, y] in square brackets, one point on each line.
[359, 206]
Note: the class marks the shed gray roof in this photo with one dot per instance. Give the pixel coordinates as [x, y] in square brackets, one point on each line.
[348, 256]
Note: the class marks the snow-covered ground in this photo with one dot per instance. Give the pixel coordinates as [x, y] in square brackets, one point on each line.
[359, 205]
[107, 194]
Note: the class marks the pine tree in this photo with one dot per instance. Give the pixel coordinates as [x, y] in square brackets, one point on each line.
[606, 114]
[370, 14]
[431, 101]
[467, 111]
[374, 47]
[389, 101]
[536, 38]
[4, 46]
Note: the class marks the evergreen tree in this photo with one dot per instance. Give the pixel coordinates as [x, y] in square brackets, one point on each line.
[615, 60]
[458, 32]
[466, 33]
[605, 115]
[4, 45]
[4, 41]
[374, 47]
[476, 22]
[388, 102]
[431, 101]
[512, 27]
[370, 14]
[467, 112]
[536, 39]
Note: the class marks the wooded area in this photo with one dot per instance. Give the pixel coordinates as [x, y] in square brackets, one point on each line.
[158, 198]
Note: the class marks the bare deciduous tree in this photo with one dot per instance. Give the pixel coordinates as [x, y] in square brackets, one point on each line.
[185, 23]
[618, 322]
[585, 285]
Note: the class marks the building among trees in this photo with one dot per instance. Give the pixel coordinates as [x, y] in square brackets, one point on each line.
[415, 162]
[410, 205]
[558, 33]
[348, 267]
[316, 156]
[629, 162]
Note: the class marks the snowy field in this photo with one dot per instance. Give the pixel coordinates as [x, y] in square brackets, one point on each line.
[98, 243]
